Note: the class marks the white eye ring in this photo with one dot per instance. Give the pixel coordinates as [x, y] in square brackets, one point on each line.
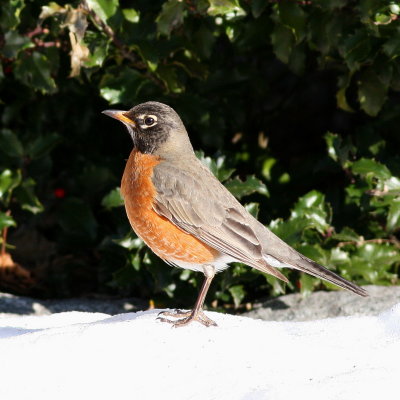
[149, 121]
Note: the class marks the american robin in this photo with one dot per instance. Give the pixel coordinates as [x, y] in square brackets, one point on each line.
[187, 217]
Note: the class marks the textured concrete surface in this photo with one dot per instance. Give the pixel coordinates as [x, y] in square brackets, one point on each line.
[19, 305]
[318, 305]
[292, 307]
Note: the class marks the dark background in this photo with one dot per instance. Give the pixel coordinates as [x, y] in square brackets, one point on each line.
[259, 84]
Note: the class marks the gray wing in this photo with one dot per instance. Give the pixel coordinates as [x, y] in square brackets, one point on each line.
[196, 202]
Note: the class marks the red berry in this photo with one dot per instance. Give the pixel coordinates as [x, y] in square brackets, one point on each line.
[59, 193]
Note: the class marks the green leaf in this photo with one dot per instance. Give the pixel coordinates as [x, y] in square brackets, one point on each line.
[10, 144]
[282, 40]
[131, 15]
[10, 14]
[392, 186]
[98, 46]
[371, 92]
[312, 207]
[169, 76]
[113, 199]
[9, 180]
[130, 242]
[228, 8]
[237, 293]
[121, 85]
[6, 221]
[43, 145]
[35, 71]
[366, 166]
[341, 99]
[253, 209]
[392, 47]
[372, 261]
[291, 231]
[338, 150]
[258, 7]
[393, 218]
[171, 16]
[216, 166]
[105, 9]
[357, 49]
[14, 43]
[346, 235]
[76, 218]
[293, 17]
[26, 197]
[243, 188]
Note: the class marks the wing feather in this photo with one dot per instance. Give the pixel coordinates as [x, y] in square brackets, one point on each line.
[207, 212]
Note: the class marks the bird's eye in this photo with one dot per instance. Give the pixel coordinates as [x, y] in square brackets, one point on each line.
[149, 121]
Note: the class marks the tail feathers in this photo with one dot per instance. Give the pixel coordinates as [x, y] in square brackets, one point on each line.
[313, 268]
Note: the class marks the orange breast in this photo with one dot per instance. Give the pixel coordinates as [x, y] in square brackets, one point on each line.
[162, 236]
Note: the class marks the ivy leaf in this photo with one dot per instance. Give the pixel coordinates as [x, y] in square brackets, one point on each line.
[293, 17]
[371, 92]
[217, 166]
[43, 145]
[282, 40]
[105, 9]
[113, 199]
[393, 218]
[27, 198]
[131, 15]
[14, 43]
[10, 144]
[168, 75]
[257, 7]
[6, 221]
[77, 219]
[312, 207]
[338, 150]
[392, 185]
[237, 293]
[372, 261]
[121, 85]
[243, 188]
[346, 235]
[291, 231]
[10, 14]
[392, 47]
[35, 71]
[130, 242]
[356, 49]
[9, 180]
[366, 166]
[228, 8]
[253, 209]
[171, 16]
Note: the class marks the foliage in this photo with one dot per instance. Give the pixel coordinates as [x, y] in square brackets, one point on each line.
[258, 84]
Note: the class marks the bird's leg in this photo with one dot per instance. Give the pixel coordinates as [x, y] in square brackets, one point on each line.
[197, 314]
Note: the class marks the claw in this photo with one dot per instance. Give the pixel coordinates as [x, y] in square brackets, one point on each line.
[189, 316]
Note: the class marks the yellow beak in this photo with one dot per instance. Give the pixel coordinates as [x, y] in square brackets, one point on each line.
[120, 115]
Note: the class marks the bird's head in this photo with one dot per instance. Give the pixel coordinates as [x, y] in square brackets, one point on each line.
[155, 128]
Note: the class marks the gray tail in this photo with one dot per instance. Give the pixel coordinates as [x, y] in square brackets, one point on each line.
[313, 268]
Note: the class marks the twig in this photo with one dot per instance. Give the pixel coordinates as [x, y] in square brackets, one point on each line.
[363, 241]
[122, 48]
[4, 236]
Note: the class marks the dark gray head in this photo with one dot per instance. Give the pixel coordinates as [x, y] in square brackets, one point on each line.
[155, 128]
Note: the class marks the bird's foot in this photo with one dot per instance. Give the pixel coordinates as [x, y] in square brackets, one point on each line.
[186, 317]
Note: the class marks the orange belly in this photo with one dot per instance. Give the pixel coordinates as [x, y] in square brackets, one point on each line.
[162, 236]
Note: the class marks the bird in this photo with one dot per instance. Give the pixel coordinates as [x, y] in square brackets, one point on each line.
[187, 217]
